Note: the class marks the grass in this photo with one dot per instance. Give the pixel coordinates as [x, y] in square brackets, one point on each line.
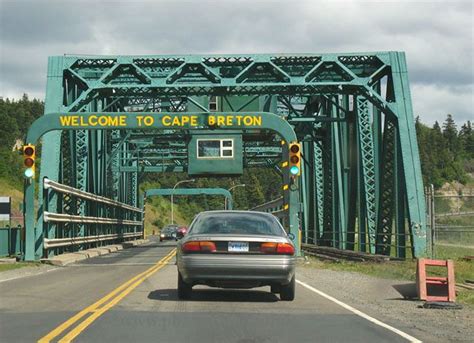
[157, 215]
[16, 193]
[18, 265]
[406, 270]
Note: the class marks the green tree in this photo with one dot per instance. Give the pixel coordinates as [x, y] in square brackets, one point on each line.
[466, 135]
[450, 134]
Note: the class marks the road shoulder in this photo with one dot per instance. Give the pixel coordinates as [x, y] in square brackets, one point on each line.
[25, 271]
[383, 299]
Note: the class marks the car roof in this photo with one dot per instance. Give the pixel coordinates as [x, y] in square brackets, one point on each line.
[234, 211]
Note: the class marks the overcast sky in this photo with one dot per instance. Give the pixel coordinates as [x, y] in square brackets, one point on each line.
[436, 36]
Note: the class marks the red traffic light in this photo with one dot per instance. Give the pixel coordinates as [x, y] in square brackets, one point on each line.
[295, 148]
[294, 159]
[28, 151]
[29, 162]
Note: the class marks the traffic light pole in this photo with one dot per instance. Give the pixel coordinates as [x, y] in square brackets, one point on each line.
[29, 215]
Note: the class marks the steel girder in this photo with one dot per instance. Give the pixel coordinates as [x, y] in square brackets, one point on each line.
[368, 184]
[354, 108]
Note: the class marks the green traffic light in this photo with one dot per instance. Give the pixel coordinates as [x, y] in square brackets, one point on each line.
[29, 172]
[294, 170]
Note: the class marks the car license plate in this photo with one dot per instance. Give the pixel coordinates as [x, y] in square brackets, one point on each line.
[238, 246]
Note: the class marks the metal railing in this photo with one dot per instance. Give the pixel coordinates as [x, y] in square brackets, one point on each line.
[112, 220]
[62, 242]
[274, 206]
[450, 218]
[58, 187]
[70, 218]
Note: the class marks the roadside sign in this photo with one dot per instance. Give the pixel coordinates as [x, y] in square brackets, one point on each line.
[5, 208]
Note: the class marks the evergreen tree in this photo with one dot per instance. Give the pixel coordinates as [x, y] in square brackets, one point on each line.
[450, 134]
[254, 192]
[466, 135]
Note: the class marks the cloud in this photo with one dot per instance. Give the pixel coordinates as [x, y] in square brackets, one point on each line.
[44, 22]
[436, 36]
[433, 102]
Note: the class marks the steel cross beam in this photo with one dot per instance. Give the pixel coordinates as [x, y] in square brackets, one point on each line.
[190, 75]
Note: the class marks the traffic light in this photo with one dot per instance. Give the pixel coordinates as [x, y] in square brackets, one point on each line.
[29, 155]
[295, 159]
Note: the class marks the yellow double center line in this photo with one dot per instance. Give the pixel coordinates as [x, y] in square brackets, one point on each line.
[102, 305]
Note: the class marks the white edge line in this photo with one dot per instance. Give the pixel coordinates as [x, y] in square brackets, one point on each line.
[360, 314]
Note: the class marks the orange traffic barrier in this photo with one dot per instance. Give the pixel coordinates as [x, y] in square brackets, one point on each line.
[446, 284]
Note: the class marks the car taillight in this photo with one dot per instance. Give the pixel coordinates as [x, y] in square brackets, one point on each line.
[268, 248]
[191, 247]
[207, 246]
[199, 246]
[277, 248]
[285, 248]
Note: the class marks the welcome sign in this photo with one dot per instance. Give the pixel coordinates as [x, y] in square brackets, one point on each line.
[161, 120]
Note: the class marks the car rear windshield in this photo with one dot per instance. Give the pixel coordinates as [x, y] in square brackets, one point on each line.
[237, 224]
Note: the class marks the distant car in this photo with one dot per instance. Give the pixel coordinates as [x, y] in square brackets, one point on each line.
[236, 249]
[181, 232]
[169, 232]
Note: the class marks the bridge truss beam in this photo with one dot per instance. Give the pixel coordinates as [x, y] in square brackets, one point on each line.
[352, 111]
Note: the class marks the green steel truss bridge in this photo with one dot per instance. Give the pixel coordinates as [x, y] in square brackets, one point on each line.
[360, 187]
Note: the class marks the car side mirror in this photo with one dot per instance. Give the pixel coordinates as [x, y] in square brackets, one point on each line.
[179, 235]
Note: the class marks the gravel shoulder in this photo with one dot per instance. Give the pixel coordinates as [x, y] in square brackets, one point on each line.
[380, 299]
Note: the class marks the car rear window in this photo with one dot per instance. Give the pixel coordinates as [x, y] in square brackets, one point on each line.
[170, 229]
[237, 224]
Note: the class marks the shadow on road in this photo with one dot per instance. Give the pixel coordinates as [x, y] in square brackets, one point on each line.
[215, 295]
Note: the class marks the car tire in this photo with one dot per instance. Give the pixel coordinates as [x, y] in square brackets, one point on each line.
[161, 240]
[184, 289]
[287, 292]
[275, 289]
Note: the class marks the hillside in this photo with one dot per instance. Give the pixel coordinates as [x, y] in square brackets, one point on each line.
[158, 212]
[7, 188]
[157, 209]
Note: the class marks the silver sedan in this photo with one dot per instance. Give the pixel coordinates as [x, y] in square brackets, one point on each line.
[236, 249]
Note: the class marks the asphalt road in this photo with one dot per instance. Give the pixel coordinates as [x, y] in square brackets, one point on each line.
[146, 309]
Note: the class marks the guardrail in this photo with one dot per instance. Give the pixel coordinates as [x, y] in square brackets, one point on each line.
[58, 187]
[70, 218]
[109, 218]
[62, 242]
[274, 207]
[454, 214]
